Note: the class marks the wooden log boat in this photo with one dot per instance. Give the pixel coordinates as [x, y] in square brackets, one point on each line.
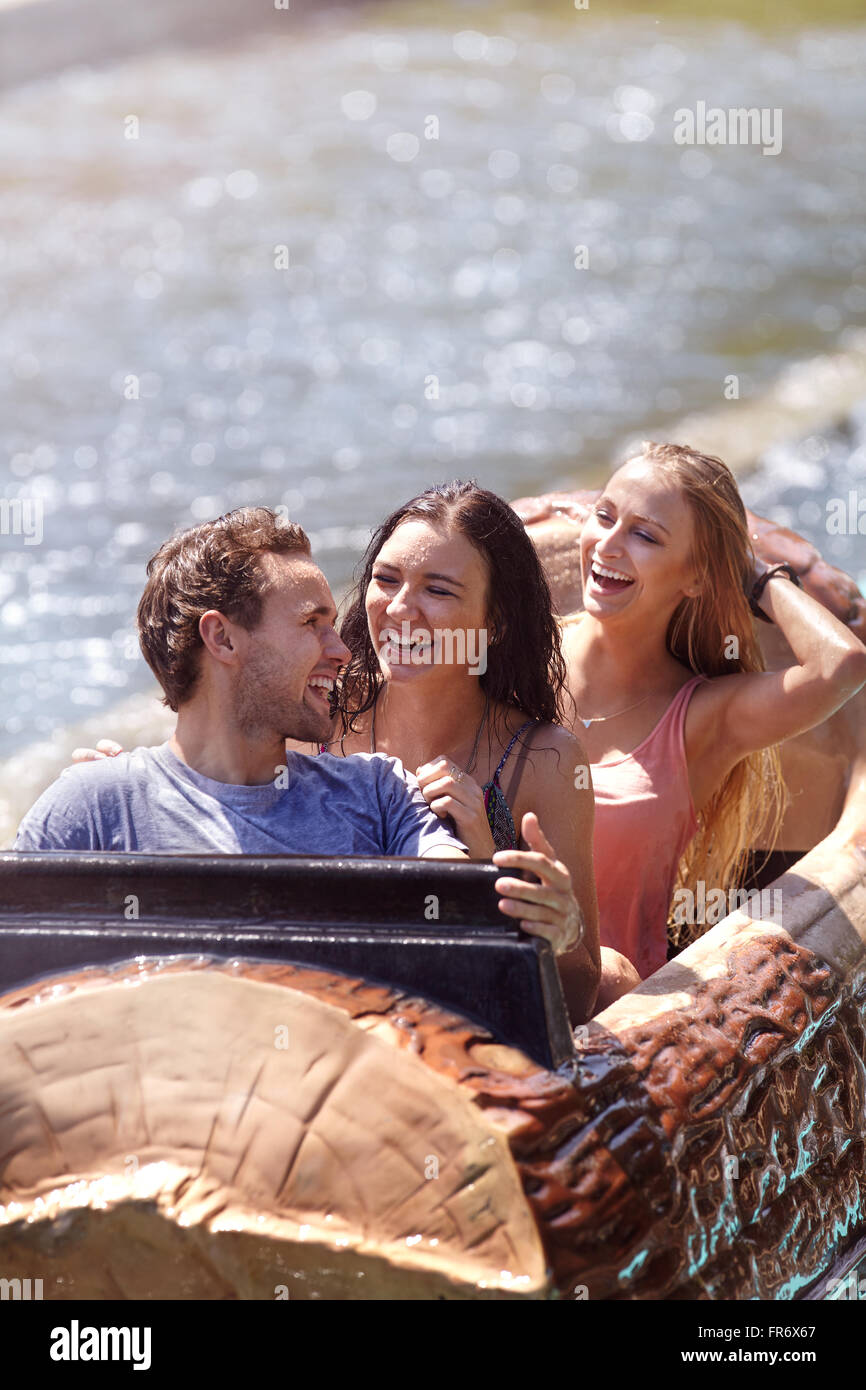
[229, 1078]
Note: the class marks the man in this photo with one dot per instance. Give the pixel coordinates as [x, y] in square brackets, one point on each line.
[237, 624]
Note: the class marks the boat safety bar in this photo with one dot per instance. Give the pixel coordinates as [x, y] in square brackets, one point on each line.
[428, 927]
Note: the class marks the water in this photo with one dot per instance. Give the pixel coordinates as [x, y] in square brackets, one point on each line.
[815, 485]
[280, 290]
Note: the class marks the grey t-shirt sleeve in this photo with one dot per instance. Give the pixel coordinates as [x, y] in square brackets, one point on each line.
[62, 818]
[410, 827]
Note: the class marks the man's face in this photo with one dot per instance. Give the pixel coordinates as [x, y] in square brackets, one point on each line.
[288, 664]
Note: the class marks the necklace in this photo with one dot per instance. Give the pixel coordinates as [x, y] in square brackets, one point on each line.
[471, 762]
[603, 718]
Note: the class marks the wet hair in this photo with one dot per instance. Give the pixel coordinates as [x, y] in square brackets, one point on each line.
[525, 667]
[212, 566]
[750, 801]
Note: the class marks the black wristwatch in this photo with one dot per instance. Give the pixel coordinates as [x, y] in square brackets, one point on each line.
[760, 585]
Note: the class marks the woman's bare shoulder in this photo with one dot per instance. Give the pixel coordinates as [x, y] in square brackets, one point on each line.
[556, 781]
[553, 752]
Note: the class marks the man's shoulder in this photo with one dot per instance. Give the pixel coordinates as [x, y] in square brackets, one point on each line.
[74, 811]
[368, 777]
[362, 767]
[108, 773]
[101, 783]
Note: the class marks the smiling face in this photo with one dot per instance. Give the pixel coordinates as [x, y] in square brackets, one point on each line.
[636, 546]
[288, 664]
[427, 579]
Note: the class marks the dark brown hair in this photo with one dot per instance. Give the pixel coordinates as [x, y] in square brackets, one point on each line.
[215, 565]
[524, 658]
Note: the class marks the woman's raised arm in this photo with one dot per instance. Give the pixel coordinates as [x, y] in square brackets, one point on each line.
[733, 716]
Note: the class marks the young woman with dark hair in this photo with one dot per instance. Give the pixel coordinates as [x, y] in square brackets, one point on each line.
[457, 671]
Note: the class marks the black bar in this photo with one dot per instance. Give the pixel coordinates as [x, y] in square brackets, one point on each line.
[362, 917]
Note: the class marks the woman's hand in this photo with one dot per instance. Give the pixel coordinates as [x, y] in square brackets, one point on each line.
[105, 748]
[450, 792]
[548, 908]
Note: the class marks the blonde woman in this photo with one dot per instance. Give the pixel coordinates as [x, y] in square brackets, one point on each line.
[679, 719]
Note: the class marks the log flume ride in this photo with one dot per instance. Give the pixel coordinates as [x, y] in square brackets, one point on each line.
[238, 1078]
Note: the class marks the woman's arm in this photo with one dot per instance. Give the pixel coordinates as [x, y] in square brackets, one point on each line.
[732, 716]
[561, 907]
[557, 784]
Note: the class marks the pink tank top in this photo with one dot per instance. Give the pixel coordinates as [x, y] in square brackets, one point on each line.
[644, 819]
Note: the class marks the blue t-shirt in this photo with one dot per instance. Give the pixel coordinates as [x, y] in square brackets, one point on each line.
[149, 800]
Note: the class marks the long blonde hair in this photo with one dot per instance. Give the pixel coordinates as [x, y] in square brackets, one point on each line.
[714, 635]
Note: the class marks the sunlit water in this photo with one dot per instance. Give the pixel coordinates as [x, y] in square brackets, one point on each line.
[317, 305]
